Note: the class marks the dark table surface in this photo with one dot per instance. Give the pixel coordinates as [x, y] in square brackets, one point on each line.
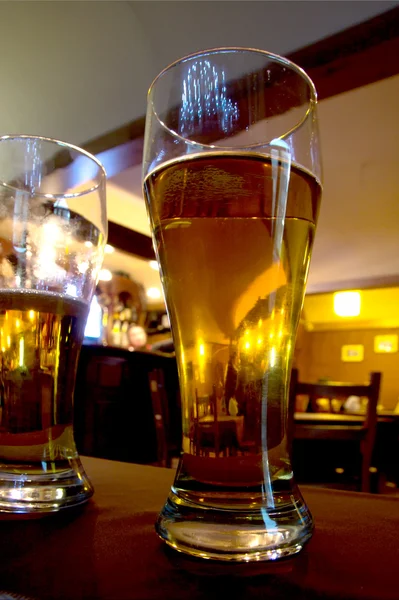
[108, 549]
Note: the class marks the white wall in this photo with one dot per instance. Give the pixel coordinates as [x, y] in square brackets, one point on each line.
[71, 70]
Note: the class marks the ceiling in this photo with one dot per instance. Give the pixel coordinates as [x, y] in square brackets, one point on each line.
[84, 67]
[76, 70]
[358, 232]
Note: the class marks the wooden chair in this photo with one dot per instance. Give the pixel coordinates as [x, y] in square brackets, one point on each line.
[168, 445]
[212, 433]
[363, 432]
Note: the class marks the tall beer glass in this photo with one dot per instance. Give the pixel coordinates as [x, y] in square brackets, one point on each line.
[232, 185]
[53, 230]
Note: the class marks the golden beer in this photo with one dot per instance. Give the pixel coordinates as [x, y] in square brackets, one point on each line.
[233, 234]
[40, 339]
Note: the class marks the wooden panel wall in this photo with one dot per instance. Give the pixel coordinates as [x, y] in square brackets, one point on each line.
[318, 354]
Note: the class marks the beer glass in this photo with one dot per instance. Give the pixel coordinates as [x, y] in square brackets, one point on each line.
[232, 186]
[53, 230]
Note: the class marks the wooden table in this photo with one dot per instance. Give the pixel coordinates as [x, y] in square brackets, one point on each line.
[108, 550]
[222, 420]
[386, 446]
[321, 417]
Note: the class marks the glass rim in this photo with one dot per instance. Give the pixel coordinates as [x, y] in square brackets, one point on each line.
[237, 49]
[67, 145]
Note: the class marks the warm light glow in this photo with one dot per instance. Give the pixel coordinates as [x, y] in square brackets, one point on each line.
[31, 315]
[154, 265]
[153, 293]
[21, 352]
[105, 275]
[50, 232]
[347, 304]
[82, 267]
[8, 341]
[51, 239]
[247, 346]
[71, 290]
[59, 493]
[273, 357]
[88, 244]
[386, 343]
[259, 341]
[17, 323]
[109, 249]
[201, 360]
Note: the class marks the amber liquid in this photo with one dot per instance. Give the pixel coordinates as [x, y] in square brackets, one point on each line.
[233, 235]
[40, 338]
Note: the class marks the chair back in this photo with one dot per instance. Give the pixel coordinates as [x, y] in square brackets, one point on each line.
[334, 389]
[365, 432]
[168, 431]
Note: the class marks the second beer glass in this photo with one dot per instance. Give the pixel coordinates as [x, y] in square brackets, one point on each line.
[53, 230]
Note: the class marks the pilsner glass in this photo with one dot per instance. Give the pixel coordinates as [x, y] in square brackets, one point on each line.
[232, 186]
[53, 231]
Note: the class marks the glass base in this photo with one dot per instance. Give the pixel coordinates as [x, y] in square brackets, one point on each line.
[28, 493]
[263, 534]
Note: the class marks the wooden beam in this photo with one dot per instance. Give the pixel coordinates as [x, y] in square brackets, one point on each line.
[130, 241]
[117, 137]
[358, 56]
[119, 158]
